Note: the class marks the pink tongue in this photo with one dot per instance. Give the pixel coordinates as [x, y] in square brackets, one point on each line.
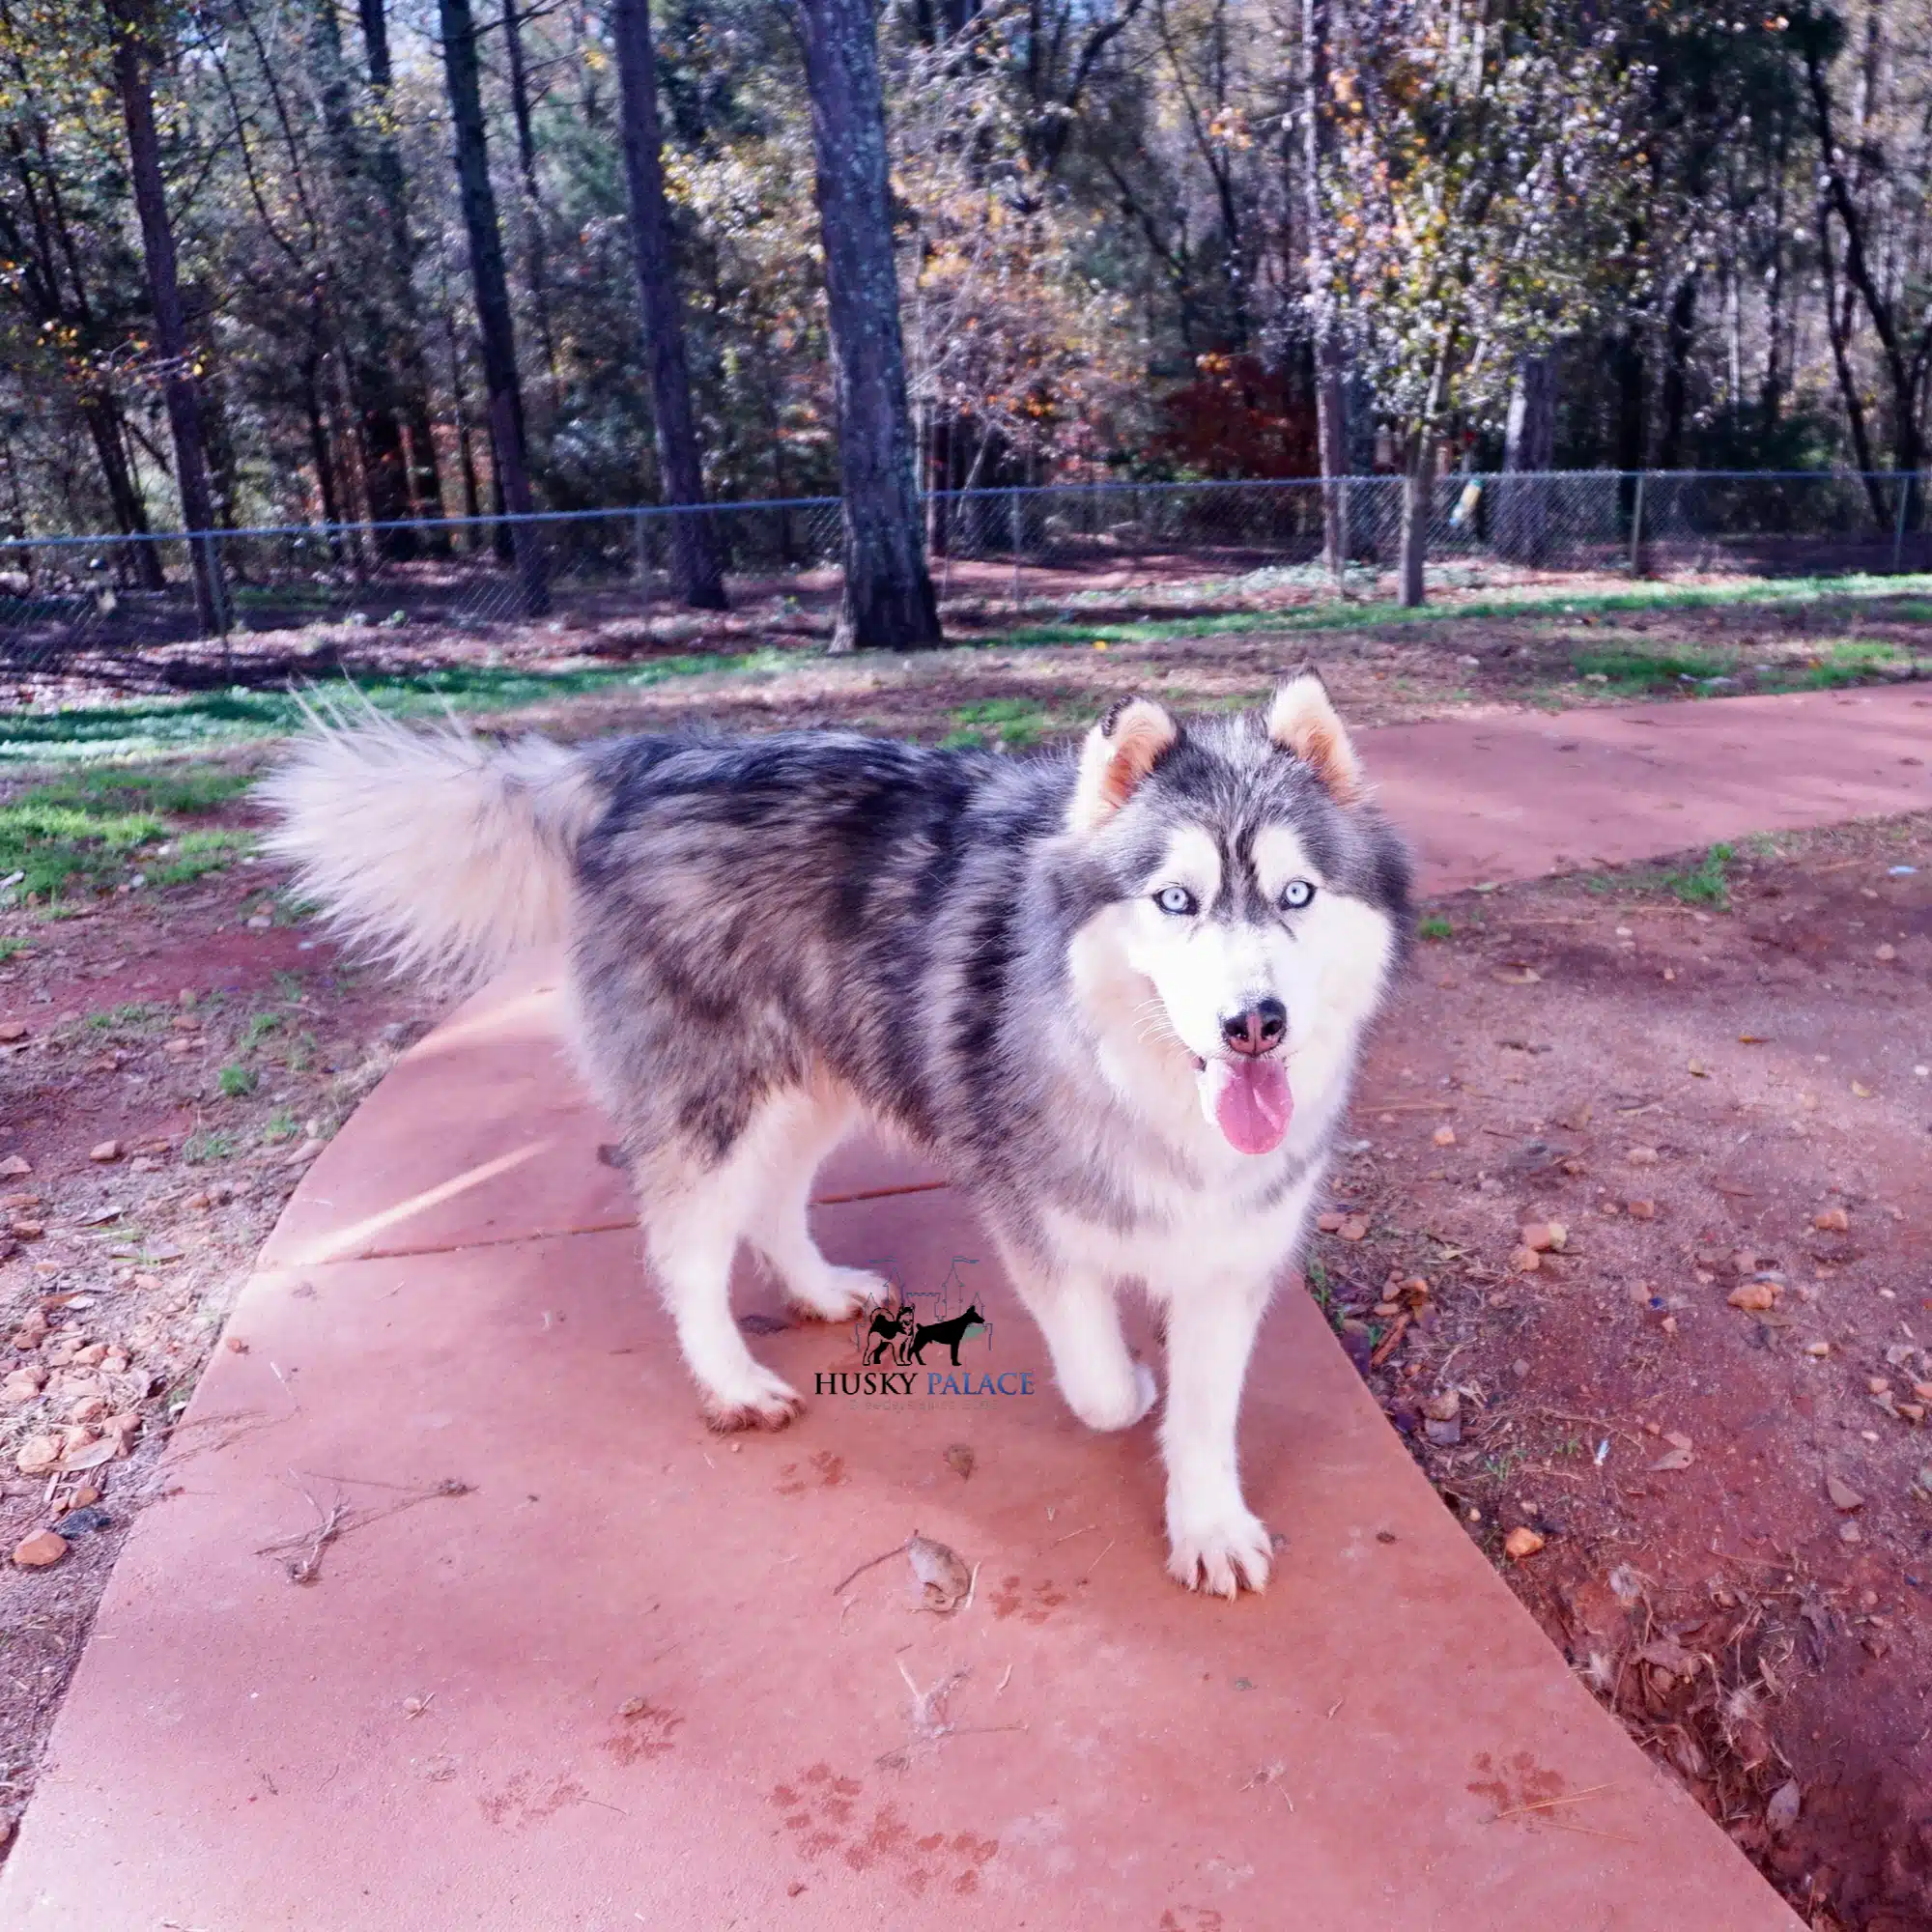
[1254, 1106]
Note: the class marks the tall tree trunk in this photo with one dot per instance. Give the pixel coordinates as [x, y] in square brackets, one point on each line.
[134, 56]
[1838, 325]
[697, 573]
[1331, 425]
[130, 515]
[411, 359]
[1418, 496]
[494, 327]
[1418, 493]
[371, 309]
[888, 602]
[1679, 333]
[1630, 446]
[536, 256]
[1529, 445]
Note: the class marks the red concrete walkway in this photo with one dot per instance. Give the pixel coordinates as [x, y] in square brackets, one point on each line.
[612, 1682]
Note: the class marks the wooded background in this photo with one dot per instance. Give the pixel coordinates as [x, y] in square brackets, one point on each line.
[279, 261]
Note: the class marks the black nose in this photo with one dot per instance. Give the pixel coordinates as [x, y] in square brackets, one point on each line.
[1256, 1029]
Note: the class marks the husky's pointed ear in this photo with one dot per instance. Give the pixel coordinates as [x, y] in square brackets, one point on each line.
[1303, 721]
[1120, 752]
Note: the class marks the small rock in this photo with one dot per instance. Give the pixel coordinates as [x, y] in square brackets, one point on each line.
[105, 1150]
[89, 1408]
[1640, 1210]
[79, 1521]
[1641, 1156]
[1848, 1532]
[1444, 1137]
[39, 1453]
[1832, 1220]
[1886, 954]
[20, 1388]
[1753, 1297]
[1354, 1229]
[1443, 1408]
[1525, 1260]
[84, 1497]
[259, 923]
[1544, 1235]
[179, 1047]
[959, 1459]
[1521, 1542]
[1444, 1434]
[37, 1551]
[1331, 1224]
[1819, 1350]
[1843, 1495]
[15, 1166]
[13, 1029]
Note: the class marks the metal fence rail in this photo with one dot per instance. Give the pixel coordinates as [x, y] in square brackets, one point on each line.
[94, 603]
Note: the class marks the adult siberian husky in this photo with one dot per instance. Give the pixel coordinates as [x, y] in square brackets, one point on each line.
[1119, 996]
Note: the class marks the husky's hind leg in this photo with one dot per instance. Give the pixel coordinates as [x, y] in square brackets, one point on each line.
[1075, 1308]
[695, 1208]
[798, 1130]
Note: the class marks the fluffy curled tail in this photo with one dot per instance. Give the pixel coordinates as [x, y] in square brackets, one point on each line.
[446, 855]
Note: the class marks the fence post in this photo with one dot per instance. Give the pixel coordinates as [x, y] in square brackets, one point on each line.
[643, 543]
[1637, 526]
[1013, 539]
[1898, 522]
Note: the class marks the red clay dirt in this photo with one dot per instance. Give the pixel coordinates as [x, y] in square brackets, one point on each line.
[452, 1563]
[1743, 749]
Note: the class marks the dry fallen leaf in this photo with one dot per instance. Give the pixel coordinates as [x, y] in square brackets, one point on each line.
[1673, 1459]
[1780, 1812]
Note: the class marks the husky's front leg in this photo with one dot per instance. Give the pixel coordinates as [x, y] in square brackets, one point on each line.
[1214, 1541]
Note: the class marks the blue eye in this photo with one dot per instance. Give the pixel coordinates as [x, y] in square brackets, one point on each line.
[1176, 900]
[1297, 893]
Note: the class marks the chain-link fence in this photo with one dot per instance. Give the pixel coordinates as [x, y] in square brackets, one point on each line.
[250, 604]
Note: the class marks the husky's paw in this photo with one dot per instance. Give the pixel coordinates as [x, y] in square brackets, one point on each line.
[1223, 1552]
[838, 1293]
[761, 1400]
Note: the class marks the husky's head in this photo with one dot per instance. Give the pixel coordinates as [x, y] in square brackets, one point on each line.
[1245, 903]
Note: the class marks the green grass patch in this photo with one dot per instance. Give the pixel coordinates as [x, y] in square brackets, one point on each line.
[196, 854]
[1846, 661]
[260, 1026]
[11, 948]
[130, 1014]
[1626, 667]
[183, 791]
[1433, 926]
[155, 728]
[237, 1082]
[54, 846]
[1707, 883]
[280, 1125]
[202, 1146]
[1013, 721]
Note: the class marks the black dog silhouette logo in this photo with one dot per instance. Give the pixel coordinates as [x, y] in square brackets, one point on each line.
[912, 1344]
